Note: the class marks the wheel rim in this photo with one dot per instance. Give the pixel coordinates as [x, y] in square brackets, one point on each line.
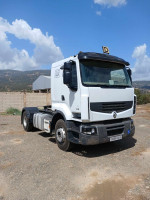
[60, 135]
[25, 121]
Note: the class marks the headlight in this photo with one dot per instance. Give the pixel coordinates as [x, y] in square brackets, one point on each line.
[88, 130]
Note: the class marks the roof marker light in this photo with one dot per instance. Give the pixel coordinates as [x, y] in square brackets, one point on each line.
[105, 49]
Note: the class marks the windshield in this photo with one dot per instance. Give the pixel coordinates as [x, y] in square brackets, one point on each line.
[100, 73]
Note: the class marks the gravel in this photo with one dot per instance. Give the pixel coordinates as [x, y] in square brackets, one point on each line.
[33, 167]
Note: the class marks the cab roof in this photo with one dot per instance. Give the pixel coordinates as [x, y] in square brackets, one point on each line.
[102, 57]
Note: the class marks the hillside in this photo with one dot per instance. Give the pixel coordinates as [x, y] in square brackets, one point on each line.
[144, 85]
[13, 80]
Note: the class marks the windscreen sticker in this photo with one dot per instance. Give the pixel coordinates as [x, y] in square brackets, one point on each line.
[111, 82]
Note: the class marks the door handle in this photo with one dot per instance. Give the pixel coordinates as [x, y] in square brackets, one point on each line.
[62, 98]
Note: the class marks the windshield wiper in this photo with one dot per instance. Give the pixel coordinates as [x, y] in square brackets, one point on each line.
[111, 86]
[122, 86]
[99, 85]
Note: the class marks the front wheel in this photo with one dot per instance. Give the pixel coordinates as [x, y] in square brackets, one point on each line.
[61, 136]
[26, 125]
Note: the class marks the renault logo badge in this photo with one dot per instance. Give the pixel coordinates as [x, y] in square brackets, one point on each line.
[114, 114]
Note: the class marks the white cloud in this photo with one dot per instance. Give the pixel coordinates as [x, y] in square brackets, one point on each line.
[98, 13]
[45, 51]
[110, 3]
[141, 70]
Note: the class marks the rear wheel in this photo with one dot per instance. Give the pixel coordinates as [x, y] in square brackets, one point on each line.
[61, 136]
[26, 125]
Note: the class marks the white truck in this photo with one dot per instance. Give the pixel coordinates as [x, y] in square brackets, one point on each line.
[92, 101]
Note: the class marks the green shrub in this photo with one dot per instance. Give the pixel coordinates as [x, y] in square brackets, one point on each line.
[13, 111]
[142, 98]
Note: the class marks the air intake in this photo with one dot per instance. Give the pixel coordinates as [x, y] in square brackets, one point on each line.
[109, 107]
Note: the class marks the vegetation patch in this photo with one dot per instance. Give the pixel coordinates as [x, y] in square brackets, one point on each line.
[13, 111]
[142, 97]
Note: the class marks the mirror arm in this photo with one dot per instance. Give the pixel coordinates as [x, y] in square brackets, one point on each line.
[62, 67]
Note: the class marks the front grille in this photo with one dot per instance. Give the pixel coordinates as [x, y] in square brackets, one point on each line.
[115, 130]
[112, 121]
[109, 107]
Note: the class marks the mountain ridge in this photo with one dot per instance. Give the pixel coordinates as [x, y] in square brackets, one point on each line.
[17, 81]
[14, 80]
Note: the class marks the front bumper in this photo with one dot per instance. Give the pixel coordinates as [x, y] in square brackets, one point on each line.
[104, 131]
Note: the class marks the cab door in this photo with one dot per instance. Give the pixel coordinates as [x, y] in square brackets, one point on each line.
[72, 91]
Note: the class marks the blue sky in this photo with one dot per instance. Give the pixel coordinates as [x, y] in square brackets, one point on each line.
[34, 33]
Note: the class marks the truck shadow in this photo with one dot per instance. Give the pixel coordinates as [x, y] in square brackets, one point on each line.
[47, 135]
[97, 150]
[104, 149]
[44, 134]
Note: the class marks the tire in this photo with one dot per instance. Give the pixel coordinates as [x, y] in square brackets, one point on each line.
[25, 121]
[61, 136]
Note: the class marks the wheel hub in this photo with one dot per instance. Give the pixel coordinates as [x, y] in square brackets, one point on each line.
[60, 135]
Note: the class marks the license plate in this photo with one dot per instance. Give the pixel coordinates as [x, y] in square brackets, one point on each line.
[114, 138]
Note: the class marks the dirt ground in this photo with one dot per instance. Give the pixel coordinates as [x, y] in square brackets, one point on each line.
[32, 166]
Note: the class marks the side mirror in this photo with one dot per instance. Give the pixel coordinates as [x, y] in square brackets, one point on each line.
[67, 73]
[129, 73]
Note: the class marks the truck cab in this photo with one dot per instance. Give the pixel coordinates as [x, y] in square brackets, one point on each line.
[92, 99]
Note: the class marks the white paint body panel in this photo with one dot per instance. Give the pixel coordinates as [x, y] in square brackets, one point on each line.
[79, 101]
[97, 94]
[71, 104]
